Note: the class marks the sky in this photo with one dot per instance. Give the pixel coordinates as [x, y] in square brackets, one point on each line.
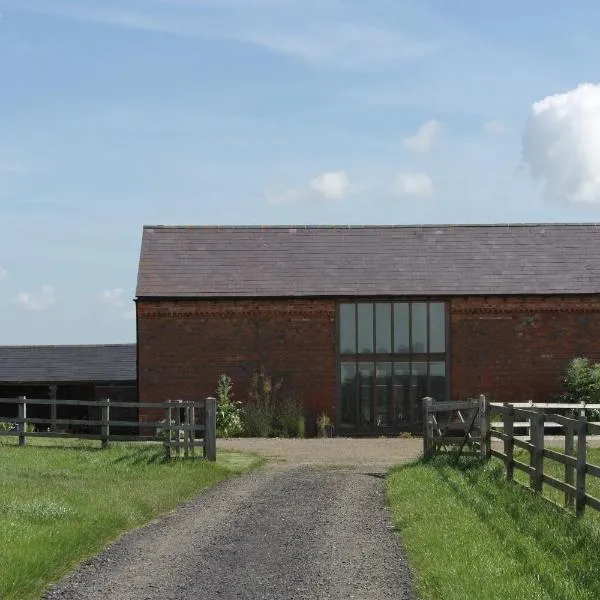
[120, 113]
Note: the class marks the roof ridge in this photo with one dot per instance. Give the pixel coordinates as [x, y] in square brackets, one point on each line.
[377, 226]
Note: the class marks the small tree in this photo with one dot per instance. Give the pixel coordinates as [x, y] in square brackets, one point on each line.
[229, 413]
[582, 381]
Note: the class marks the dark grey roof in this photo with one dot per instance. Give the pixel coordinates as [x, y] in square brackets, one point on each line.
[370, 260]
[61, 364]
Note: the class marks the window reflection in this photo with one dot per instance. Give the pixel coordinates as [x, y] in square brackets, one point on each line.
[437, 327]
[348, 328]
[365, 328]
[401, 327]
[348, 396]
[383, 328]
[365, 393]
[419, 327]
[383, 382]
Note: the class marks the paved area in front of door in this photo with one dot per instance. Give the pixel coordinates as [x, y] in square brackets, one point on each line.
[367, 455]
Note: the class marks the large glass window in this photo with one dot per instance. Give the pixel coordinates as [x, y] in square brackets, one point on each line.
[392, 354]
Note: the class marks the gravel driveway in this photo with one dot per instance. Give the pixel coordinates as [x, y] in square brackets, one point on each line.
[298, 528]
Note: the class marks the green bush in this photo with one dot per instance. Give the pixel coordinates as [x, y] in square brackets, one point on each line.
[229, 413]
[290, 418]
[582, 383]
[259, 413]
[9, 426]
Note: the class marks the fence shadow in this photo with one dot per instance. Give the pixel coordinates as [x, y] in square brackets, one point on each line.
[495, 502]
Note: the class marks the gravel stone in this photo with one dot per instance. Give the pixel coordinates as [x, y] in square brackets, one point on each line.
[285, 531]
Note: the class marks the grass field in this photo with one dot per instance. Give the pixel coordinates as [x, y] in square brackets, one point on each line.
[469, 534]
[62, 503]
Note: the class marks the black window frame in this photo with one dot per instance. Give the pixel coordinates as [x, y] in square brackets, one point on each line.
[414, 413]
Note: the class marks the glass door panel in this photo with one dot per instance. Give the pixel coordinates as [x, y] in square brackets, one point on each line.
[366, 372]
[348, 388]
[385, 407]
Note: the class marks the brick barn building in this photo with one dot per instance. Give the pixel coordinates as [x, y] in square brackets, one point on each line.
[362, 322]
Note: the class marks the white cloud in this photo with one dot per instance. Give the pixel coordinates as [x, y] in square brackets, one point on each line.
[425, 138]
[561, 145]
[342, 44]
[3, 274]
[332, 185]
[116, 299]
[494, 127]
[41, 300]
[292, 196]
[415, 184]
[328, 33]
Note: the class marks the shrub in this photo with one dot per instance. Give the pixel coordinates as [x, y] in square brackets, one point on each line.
[10, 426]
[324, 425]
[582, 381]
[229, 413]
[582, 384]
[259, 411]
[290, 420]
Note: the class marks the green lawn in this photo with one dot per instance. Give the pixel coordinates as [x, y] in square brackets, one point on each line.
[469, 535]
[60, 503]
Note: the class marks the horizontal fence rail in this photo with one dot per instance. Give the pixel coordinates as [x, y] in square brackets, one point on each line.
[576, 468]
[183, 421]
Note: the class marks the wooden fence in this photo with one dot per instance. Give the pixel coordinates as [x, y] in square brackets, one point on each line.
[576, 468]
[450, 426]
[178, 431]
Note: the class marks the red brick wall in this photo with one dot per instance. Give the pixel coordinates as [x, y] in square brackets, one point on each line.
[517, 349]
[184, 345]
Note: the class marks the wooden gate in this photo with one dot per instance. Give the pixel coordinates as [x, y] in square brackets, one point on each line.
[449, 427]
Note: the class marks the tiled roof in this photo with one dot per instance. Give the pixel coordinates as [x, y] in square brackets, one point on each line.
[427, 260]
[61, 364]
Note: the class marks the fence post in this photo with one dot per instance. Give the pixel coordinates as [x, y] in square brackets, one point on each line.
[105, 422]
[569, 473]
[53, 412]
[192, 431]
[210, 429]
[536, 479]
[427, 430]
[485, 447]
[22, 419]
[186, 431]
[581, 466]
[509, 440]
[167, 431]
[177, 419]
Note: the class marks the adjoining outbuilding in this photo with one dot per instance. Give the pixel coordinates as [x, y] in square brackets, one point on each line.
[362, 322]
[79, 372]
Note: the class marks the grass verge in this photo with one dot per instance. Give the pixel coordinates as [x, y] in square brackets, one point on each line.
[469, 534]
[63, 502]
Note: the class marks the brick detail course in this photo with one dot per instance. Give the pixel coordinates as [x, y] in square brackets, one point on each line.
[184, 345]
[517, 349]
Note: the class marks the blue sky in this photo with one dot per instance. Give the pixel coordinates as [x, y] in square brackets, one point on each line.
[119, 113]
